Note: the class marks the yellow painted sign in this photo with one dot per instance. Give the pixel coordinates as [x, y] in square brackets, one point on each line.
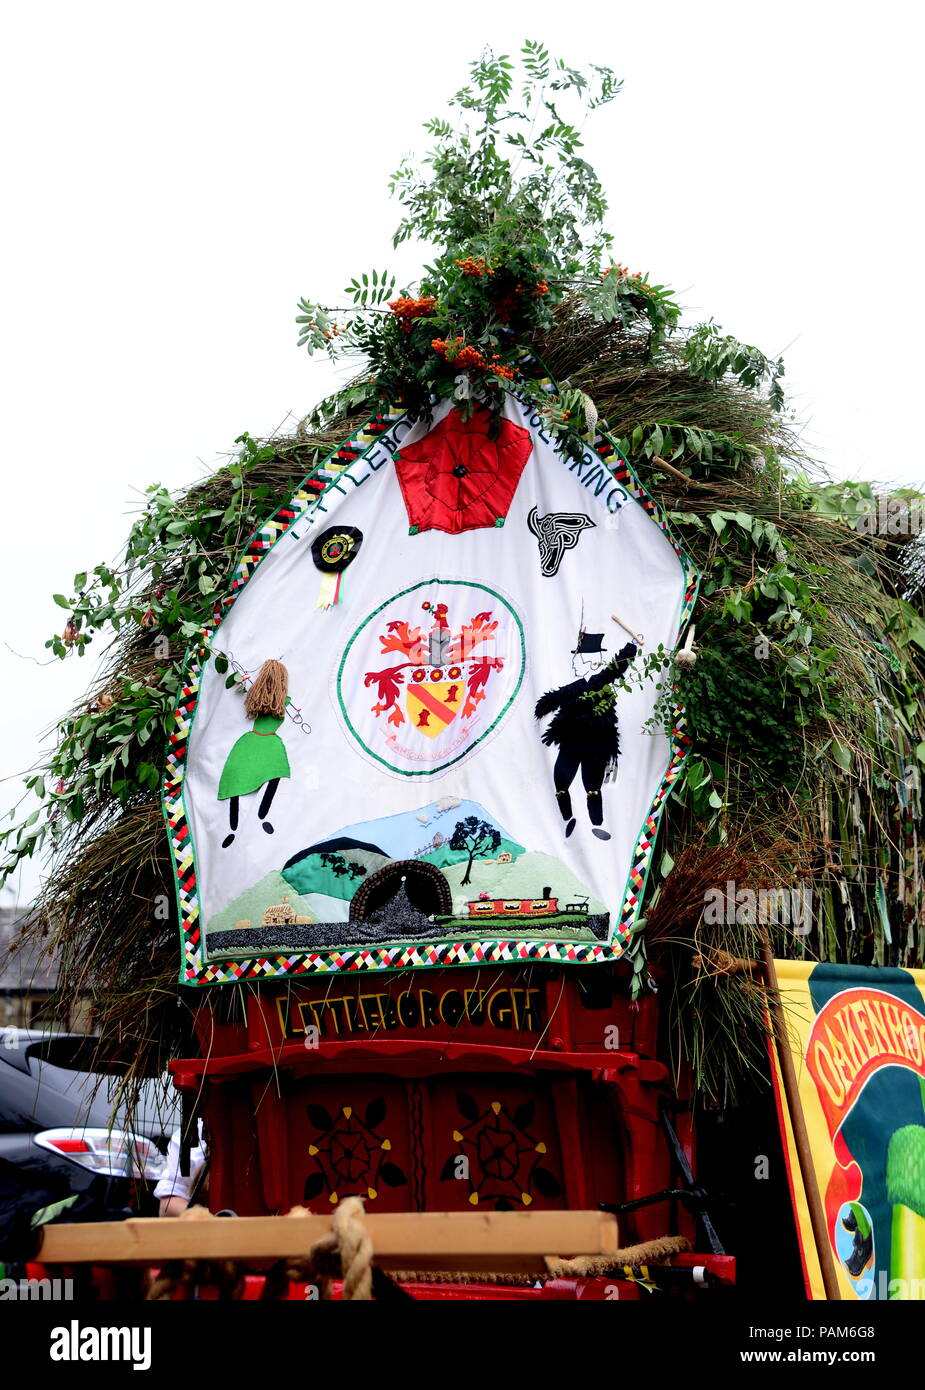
[857, 1038]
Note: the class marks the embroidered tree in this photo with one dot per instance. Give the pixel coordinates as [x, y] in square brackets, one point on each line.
[340, 868]
[477, 838]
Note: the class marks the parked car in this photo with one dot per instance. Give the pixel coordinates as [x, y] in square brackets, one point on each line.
[61, 1121]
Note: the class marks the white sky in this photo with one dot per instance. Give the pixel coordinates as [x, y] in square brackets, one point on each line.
[176, 176]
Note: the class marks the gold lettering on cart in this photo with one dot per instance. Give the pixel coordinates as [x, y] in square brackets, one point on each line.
[506, 1008]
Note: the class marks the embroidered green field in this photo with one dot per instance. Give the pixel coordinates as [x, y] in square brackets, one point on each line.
[271, 891]
[334, 873]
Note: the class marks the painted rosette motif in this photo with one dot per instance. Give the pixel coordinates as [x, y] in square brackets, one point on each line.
[438, 747]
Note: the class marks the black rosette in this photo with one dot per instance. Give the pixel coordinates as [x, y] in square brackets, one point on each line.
[334, 549]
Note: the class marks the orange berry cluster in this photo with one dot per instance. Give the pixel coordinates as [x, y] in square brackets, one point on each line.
[456, 350]
[334, 333]
[409, 309]
[622, 272]
[476, 266]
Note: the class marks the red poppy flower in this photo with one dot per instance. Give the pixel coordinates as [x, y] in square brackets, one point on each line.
[458, 479]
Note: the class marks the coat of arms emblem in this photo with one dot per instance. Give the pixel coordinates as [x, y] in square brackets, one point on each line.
[440, 665]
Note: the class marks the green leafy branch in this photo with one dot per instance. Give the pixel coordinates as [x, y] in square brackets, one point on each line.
[710, 450]
[713, 355]
[160, 597]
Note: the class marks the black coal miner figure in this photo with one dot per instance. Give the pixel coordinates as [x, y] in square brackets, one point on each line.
[584, 727]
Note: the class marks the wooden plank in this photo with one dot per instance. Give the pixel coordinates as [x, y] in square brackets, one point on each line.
[504, 1240]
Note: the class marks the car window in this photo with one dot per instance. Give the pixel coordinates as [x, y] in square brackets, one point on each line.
[47, 1096]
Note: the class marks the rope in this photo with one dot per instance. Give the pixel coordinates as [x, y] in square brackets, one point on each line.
[227, 1275]
[349, 1246]
[720, 962]
[184, 1275]
[632, 1258]
[346, 1252]
[650, 1252]
[461, 1276]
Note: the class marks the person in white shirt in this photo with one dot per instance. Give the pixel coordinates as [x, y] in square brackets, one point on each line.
[172, 1189]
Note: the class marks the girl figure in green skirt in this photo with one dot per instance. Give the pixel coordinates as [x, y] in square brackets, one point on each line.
[259, 757]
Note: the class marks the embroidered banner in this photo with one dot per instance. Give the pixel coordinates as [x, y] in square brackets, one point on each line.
[430, 756]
